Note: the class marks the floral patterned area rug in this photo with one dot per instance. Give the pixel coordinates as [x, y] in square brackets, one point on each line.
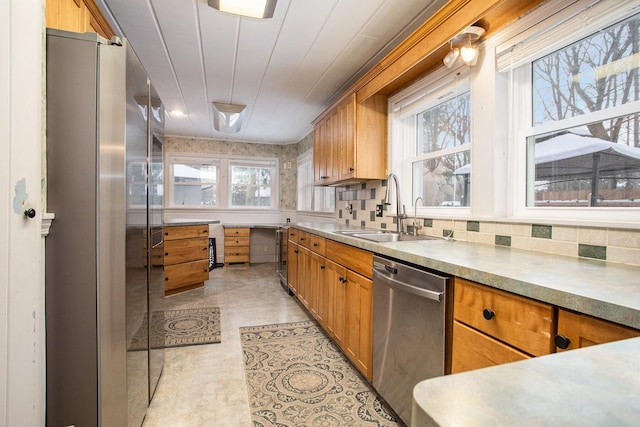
[296, 376]
[177, 328]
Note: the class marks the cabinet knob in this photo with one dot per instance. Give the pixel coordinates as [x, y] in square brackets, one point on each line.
[166, 254]
[562, 341]
[351, 169]
[488, 314]
[315, 245]
[322, 267]
[30, 213]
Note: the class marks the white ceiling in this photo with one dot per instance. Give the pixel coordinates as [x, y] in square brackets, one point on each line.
[286, 69]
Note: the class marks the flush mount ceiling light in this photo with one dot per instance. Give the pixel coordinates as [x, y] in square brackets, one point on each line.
[467, 50]
[227, 117]
[260, 9]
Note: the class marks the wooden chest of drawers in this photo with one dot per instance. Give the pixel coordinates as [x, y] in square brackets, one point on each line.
[492, 327]
[236, 245]
[186, 257]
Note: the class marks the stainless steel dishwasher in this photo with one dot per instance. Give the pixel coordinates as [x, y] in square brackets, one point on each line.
[408, 330]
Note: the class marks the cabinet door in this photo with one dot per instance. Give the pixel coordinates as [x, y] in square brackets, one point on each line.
[317, 306]
[292, 266]
[303, 275]
[336, 299]
[359, 339]
[577, 330]
[347, 136]
[319, 156]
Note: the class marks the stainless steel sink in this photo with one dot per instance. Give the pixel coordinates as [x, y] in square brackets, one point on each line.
[383, 236]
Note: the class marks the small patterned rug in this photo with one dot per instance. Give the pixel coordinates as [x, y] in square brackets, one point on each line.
[179, 328]
[297, 376]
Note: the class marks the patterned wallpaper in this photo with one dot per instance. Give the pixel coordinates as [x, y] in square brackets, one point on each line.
[287, 155]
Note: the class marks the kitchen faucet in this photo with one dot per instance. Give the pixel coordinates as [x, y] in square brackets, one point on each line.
[416, 226]
[399, 216]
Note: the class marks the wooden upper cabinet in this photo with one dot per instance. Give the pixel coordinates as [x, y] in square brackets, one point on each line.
[350, 141]
[80, 16]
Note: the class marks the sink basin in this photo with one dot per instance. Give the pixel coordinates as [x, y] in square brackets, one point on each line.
[383, 235]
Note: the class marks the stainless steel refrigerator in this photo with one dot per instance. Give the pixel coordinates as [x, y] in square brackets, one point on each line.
[104, 286]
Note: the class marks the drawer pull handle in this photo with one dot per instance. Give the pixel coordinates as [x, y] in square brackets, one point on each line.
[166, 254]
[322, 267]
[315, 245]
[204, 249]
[562, 341]
[488, 314]
[166, 279]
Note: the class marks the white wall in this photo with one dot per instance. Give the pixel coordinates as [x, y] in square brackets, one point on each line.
[22, 340]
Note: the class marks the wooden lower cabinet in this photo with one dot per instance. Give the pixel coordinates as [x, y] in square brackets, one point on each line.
[237, 245]
[186, 257]
[335, 280]
[359, 336]
[576, 330]
[292, 266]
[338, 296]
[491, 327]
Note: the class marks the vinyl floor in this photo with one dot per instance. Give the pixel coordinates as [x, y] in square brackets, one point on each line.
[204, 385]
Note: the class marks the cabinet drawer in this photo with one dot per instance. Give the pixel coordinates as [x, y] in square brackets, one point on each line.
[317, 244]
[186, 232]
[523, 323]
[236, 258]
[180, 275]
[303, 239]
[475, 350]
[186, 250]
[235, 250]
[236, 232]
[293, 235]
[236, 241]
[355, 259]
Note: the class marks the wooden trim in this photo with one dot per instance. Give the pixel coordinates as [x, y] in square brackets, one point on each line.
[101, 21]
[424, 49]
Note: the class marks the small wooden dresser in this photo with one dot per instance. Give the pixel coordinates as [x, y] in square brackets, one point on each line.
[236, 245]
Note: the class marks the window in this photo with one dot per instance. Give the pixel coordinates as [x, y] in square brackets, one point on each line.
[310, 198]
[580, 134]
[431, 138]
[251, 182]
[206, 181]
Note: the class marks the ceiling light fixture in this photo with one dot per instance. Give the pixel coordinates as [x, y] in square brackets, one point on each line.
[227, 117]
[468, 51]
[260, 9]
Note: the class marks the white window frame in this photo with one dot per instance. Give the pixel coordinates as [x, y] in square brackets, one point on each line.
[319, 195]
[428, 92]
[515, 57]
[224, 181]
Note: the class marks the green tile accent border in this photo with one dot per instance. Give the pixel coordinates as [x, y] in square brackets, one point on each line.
[592, 251]
[383, 225]
[541, 231]
[473, 226]
[447, 234]
[363, 205]
[372, 216]
[428, 222]
[363, 224]
[503, 240]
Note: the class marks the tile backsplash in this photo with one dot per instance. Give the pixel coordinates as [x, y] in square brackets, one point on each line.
[610, 244]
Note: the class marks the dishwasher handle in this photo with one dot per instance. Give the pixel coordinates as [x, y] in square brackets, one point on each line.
[401, 286]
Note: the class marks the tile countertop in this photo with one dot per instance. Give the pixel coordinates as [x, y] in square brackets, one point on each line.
[593, 386]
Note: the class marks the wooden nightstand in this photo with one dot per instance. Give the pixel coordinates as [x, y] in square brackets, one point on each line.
[236, 245]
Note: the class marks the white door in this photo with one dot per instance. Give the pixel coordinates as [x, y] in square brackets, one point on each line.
[22, 342]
